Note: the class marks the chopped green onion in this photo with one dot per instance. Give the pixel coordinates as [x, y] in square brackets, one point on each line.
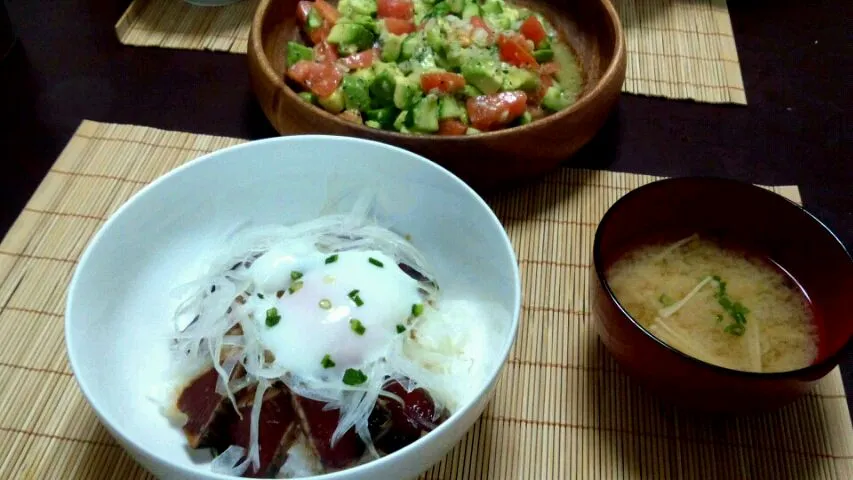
[294, 275]
[332, 259]
[375, 262]
[357, 327]
[295, 287]
[272, 317]
[325, 304]
[401, 328]
[353, 295]
[665, 300]
[260, 295]
[279, 293]
[327, 362]
[354, 377]
[212, 288]
[417, 309]
[736, 310]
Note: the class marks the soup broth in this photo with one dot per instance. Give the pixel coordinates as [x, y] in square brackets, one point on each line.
[717, 304]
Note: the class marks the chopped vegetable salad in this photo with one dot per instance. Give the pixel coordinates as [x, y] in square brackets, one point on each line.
[451, 67]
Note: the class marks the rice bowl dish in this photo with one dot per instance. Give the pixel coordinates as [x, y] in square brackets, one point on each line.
[328, 344]
[164, 257]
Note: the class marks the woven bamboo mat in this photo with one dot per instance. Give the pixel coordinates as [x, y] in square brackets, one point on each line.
[177, 24]
[562, 408]
[681, 49]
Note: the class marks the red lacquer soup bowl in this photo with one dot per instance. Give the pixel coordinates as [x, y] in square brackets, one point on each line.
[764, 223]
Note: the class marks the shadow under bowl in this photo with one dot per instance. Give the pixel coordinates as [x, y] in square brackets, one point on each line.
[756, 219]
[591, 27]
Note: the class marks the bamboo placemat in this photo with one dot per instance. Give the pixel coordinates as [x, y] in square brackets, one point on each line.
[676, 48]
[681, 49]
[562, 408]
[177, 24]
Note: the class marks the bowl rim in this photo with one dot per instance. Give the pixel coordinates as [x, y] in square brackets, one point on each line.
[817, 369]
[619, 57]
[108, 420]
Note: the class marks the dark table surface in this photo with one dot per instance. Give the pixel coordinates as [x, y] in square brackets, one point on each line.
[795, 56]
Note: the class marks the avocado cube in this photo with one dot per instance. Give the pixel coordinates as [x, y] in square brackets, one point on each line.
[449, 107]
[407, 66]
[367, 74]
[493, 7]
[456, 6]
[455, 55]
[410, 46]
[392, 45]
[470, 91]
[471, 131]
[470, 10]
[525, 118]
[569, 74]
[498, 20]
[350, 37]
[406, 93]
[425, 115]
[556, 99]
[434, 38]
[348, 8]
[400, 121]
[383, 116]
[520, 79]
[356, 93]
[483, 75]
[308, 97]
[543, 55]
[365, 21]
[334, 103]
[296, 52]
[382, 88]
[440, 9]
[373, 124]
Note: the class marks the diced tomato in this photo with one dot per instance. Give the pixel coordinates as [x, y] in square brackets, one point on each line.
[327, 11]
[488, 112]
[325, 53]
[402, 9]
[533, 30]
[320, 34]
[514, 50]
[360, 60]
[478, 22]
[549, 68]
[303, 8]
[451, 127]
[446, 82]
[320, 78]
[398, 26]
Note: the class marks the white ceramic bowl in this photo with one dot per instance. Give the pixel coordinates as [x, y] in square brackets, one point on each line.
[120, 302]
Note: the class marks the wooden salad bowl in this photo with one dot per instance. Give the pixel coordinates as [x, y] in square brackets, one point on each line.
[485, 160]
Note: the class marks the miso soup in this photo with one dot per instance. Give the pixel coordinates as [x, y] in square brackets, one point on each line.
[718, 304]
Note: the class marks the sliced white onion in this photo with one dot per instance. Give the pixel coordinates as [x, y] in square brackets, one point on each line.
[228, 462]
[439, 362]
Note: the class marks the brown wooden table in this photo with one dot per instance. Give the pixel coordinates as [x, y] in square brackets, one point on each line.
[795, 55]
